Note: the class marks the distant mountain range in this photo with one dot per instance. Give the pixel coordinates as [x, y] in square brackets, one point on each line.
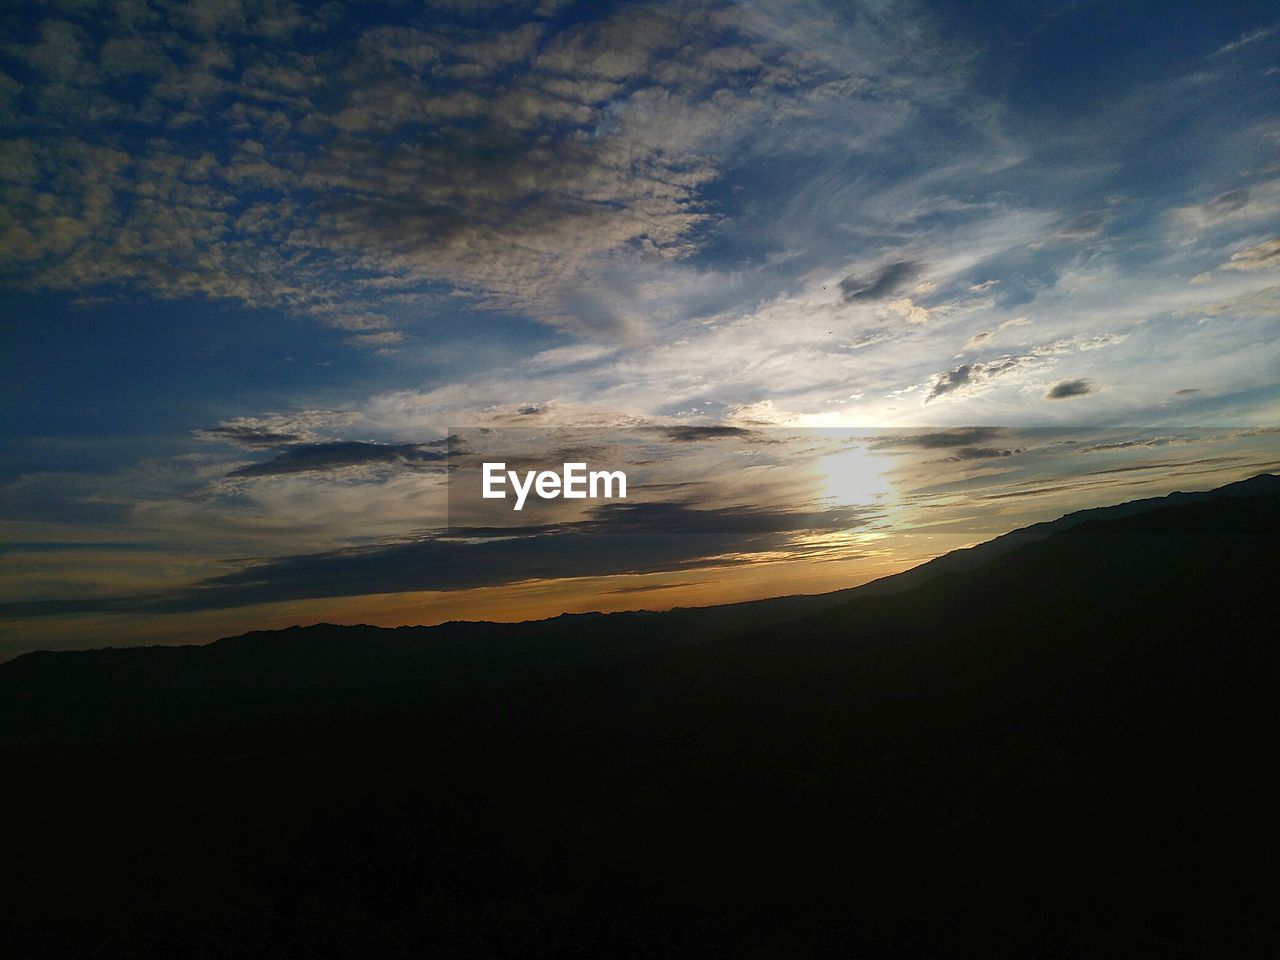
[1058, 743]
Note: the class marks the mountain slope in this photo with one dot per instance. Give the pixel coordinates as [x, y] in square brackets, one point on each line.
[95, 695]
[1264, 484]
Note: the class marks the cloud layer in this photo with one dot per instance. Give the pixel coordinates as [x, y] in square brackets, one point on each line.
[266, 264]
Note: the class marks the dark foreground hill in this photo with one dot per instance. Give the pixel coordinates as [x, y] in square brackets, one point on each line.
[1060, 747]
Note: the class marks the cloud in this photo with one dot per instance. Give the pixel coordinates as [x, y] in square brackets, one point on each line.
[977, 377]
[974, 377]
[43, 547]
[1253, 36]
[1164, 465]
[1083, 226]
[1260, 256]
[1262, 302]
[870, 339]
[938, 439]
[1241, 205]
[980, 453]
[1070, 388]
[341, 317]
[693, 434]
[880, 284]
[336, 455]
[380, 340]
[950, 381]
[1224, 204]
[1128, 444]
[271, 430]
[630, 538]
[514, 165]
[576, 354]
[907, 309]
[651, 587]
[599, 171]
[978, 339]
[252, 438]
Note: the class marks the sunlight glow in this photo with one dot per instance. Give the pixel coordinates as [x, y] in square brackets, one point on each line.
[854, 477]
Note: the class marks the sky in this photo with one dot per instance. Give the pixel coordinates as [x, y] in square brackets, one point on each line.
[843, 285]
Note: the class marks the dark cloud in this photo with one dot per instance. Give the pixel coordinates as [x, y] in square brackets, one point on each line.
[272, 430]
[1164, 465]
[1070, 388]
[650, 587]
[593, 453]
[882, 283]
[1083, 226]
[939, 439]
[980, 453]
[969, 376]
[625, 538]
[339, 454]
[950, 381]
[1031, 492]
[64, 547]
[253, 438]
[692, 434]
[1227, 202]
[1187, 391]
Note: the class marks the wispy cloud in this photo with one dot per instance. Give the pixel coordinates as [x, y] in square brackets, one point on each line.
[1253, 36]
[271, 430]
[880, 284]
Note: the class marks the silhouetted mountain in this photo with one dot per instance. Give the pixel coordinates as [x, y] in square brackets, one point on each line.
[1264, 484]
[1060, 747]
[94, 695]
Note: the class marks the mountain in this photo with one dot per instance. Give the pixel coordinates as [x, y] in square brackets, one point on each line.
[1060, 746]
[107, 694]
[1264, 484]
[94, 695]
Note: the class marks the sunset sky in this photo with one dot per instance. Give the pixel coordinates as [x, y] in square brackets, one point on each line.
[843, 285]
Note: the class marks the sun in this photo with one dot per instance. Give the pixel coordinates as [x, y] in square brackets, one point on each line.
[854, 477]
